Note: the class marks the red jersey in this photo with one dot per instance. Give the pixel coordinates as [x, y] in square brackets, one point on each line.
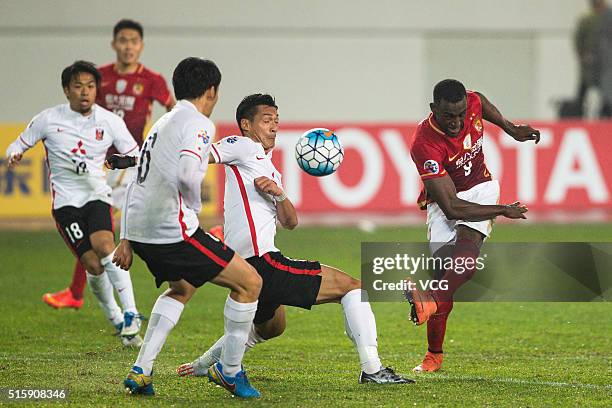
[131, 96]
[436, 154]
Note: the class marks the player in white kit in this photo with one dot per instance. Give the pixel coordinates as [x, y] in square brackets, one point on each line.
[254, 201]
[160, 222]
[76, 137]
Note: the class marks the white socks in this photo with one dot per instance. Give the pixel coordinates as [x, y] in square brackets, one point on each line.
[253, 339]
[361, 329]
[238, 322]
[164, 316]
[213, 354]
[102, 289]
[121, 282]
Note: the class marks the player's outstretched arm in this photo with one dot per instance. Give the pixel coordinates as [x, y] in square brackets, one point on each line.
[442, 191]
[521, 133]
[26, 140]
[287, 216]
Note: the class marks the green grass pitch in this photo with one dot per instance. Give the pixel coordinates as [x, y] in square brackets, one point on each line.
[497, 354]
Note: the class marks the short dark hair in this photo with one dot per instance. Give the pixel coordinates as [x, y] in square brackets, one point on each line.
[247, 109]
[450, 90]
[193, 76]
[76, 68]
[130, 24]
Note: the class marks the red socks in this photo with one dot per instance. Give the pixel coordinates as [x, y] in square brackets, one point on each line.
[436, 329]
[79, 279]
[464, 254]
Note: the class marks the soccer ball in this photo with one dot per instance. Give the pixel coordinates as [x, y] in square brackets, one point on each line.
[319, 152]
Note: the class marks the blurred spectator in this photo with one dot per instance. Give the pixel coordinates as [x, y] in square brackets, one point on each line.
[587, 42]
[603, 60]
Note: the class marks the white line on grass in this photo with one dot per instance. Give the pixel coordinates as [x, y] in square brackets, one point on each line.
[510, 380]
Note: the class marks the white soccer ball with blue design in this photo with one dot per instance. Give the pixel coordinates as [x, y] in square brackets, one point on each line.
[319, 152]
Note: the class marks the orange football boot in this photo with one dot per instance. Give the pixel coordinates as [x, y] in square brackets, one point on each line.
[61, 299]
[422, 304]
[432, 362]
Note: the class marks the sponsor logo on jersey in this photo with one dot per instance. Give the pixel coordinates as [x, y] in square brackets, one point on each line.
[99, 133]
[432, 167]
[120, 85]
[259, 158]
[79, 148]
[467, 142]
[232, 139]
[138, 88]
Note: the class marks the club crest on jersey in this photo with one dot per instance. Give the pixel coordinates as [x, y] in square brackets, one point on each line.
[478, 125]
[99, 133]
[232, 140]
[138, 88]
[467, 142]
[431, 167]
[120, 85]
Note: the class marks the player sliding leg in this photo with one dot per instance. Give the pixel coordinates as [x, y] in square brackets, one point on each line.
[335, 286]
[240, 308]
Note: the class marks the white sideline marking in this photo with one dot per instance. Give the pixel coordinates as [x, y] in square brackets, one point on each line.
[510, 380]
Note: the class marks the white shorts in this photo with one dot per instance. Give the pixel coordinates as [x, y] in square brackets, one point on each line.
[441, 231]
[118, 181]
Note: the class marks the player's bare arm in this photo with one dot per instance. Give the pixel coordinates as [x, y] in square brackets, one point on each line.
[123, 254]
[287, 215]
[520, 133]
[442, 191]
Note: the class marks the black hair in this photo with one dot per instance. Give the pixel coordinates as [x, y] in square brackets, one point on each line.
[450, 90]
[193, 76]
[76, 68]
[247, 109]
[129, 24]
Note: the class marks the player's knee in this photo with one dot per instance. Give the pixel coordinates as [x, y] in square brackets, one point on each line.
[251, 282]
[94, 267]
[104, 249]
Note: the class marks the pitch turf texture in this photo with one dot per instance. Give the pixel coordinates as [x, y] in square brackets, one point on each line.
[497, 354]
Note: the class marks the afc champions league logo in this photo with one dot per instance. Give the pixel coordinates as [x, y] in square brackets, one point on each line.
[120, 85]
[432, 167]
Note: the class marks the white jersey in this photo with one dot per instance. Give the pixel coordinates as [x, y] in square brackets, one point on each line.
[250, 216]
[156, 213]
[75, 146]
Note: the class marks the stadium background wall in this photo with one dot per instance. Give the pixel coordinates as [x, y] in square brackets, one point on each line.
[341, 60]
[566, 177]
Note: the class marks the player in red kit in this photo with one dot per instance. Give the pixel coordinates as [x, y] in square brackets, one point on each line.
[460, 197]
[128, 89]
